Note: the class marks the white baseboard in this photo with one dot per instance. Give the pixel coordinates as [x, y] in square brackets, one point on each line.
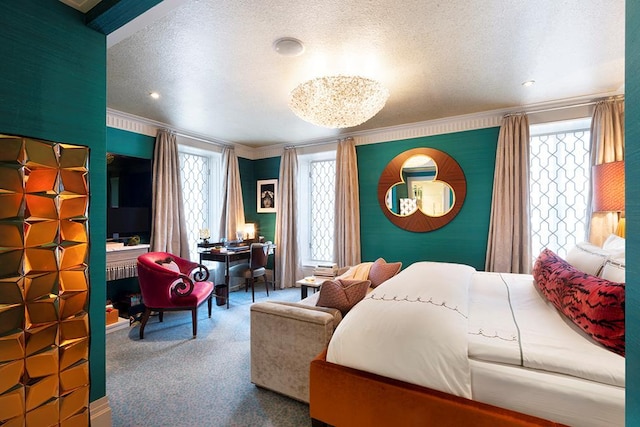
[100, 412]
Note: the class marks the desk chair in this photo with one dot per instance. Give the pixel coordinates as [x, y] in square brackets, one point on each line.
[256, 267]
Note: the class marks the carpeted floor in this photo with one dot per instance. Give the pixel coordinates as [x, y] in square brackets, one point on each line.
[171, 379]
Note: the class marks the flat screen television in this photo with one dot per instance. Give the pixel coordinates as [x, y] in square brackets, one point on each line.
[129, 189]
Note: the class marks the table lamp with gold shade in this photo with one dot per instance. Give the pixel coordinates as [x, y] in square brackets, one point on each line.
[608, 190]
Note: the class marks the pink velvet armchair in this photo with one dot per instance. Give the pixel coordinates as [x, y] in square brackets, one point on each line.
[168, 282]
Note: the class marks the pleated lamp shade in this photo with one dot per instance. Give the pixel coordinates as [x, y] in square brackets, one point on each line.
[608, 187]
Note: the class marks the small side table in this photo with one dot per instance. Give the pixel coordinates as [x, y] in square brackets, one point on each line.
[307, 283]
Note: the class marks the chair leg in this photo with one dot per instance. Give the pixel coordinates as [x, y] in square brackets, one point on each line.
[145, 318]
[253, 291]
[210, 303]
[266, 284]
[194, 320]
[160, 315]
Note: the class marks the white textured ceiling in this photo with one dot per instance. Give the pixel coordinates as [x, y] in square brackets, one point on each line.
[213, 64]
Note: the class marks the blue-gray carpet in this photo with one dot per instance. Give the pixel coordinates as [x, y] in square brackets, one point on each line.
[171, 379]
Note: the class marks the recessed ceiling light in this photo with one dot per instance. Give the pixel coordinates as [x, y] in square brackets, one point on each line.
[154, 95]
[288, 46]
[528, 83]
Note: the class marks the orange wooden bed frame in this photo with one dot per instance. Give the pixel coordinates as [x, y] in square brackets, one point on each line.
[346, 397]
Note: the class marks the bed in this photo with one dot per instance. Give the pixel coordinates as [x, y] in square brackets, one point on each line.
[444, 344]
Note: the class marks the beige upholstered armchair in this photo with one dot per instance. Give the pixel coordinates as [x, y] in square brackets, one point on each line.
[285, 337]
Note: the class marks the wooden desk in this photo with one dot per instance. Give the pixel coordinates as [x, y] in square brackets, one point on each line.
[230, 256]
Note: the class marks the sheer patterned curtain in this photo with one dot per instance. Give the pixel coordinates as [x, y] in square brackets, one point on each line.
[232, 215]
[169, 231]
[285, 238]
[509, 245]
[346, 243]
[607, 145]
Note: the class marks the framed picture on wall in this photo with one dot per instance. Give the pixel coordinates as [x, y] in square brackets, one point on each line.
[267, 190]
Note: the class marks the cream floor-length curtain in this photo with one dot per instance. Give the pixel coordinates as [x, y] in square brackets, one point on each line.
[169, 230]
[607, 145]
[346, 243]
[286, 230]
[232, 212]
[509, 243]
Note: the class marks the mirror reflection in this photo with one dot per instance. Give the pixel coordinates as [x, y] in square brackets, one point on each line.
[419, 189]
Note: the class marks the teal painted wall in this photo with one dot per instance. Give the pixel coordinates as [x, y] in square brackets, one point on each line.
[53, 86]
[464, 240]
[109, 15]
[632, 160]
[130, 143]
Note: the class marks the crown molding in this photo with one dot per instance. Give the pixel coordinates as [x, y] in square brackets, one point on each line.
[136, 124]
[125, 121]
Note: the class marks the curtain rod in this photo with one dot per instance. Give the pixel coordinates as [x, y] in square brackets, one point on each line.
[195, 138]
[311, 144]
[317, 143]
[563, 107]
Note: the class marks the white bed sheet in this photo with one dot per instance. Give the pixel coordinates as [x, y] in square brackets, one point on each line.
[556, 397]
[509, 322]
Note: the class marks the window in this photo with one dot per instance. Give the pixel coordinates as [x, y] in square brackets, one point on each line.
[559, 184]
[200, 171]
[316, 197]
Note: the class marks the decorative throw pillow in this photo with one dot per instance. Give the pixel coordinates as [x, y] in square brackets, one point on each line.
[594, 304]
[169, 264]
[381, 271]
[588, 257]
[342, 294]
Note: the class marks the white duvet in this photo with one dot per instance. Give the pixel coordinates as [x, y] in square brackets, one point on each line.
[423, 325]
[509, 322]
[412, 328]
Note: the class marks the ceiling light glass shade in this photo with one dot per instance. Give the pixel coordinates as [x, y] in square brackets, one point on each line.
[338, 101]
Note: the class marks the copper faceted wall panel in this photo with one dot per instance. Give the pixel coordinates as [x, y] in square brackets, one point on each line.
[44, 283]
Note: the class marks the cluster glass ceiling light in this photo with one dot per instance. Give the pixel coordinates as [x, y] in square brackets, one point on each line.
[338, 101]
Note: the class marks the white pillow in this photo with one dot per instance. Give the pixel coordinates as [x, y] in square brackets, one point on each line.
[614, 271]
[615, 245]
[171, 266]
[588, 258]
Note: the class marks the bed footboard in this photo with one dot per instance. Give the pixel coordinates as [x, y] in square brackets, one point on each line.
[341, 396]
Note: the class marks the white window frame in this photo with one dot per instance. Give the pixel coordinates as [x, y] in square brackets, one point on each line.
[548, 128]
[215, 187]
[304, 204]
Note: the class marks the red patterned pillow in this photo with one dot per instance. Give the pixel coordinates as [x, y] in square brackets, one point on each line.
[342, 294]
[593, 303]
[381, 271]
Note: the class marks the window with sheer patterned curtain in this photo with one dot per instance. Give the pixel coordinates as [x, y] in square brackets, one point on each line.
[316, 201]
[200, 172]
[559, 184]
